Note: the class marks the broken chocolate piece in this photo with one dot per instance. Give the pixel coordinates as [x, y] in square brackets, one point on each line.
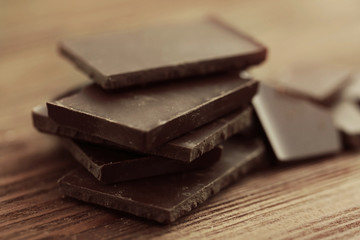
[184, 148]
[163, 53]
[351, 91]
[145, 118]
[111, 166]
[296, 128]
[166, 198]
[346, 117]
[320, 83]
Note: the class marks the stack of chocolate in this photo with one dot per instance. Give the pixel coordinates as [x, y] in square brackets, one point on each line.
[150, 133]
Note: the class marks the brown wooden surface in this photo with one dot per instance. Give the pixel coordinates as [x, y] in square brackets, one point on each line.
[312, 200]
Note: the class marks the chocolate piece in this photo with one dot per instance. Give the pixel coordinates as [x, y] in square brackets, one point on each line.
[163, 53]
[351, 91]
[166, 198]
[318, 82]
[145, 118]
[296, 128]
[346, 117]
[185, 148]
[111, 166]
[197, 142]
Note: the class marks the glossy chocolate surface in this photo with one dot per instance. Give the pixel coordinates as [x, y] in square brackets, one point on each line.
[296, 128]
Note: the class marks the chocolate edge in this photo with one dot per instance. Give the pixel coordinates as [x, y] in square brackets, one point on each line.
[250, 165]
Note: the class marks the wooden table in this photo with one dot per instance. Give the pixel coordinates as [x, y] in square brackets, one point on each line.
[317, 199]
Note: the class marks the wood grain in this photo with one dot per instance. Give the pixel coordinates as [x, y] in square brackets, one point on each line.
[311, 200]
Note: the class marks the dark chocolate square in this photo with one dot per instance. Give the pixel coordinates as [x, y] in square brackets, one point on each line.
[162, 53]
[166, 198]
[145, 118]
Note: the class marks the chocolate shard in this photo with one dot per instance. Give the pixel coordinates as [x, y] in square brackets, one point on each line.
[321, 83]
[163, 53]
[166, 198]
[111, 166]
[346, 117]
[186, 148]
[145, 118]
[351, 92]
[296, 128]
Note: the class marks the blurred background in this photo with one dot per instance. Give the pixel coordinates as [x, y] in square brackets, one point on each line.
[31, 71]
